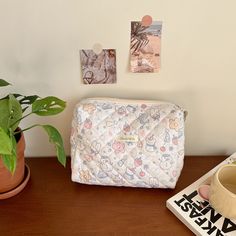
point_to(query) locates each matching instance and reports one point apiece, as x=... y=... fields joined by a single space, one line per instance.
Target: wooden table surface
x=51 y=204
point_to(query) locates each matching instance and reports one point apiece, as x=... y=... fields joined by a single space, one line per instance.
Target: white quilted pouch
x=133 y=143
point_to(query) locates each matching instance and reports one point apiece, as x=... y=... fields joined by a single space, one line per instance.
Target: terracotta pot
x=9 y=181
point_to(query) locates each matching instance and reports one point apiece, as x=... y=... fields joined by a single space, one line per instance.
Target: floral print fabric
x=127 y=143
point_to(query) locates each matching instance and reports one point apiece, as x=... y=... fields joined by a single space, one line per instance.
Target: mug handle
x=204 y=189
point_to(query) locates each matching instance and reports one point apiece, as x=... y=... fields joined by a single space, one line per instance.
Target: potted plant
x=13 y=109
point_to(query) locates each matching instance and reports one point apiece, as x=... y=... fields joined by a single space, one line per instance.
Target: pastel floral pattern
x=127 y=143
x=89 y=107
x=118 y=147
x=87 y=124
x=174 y=124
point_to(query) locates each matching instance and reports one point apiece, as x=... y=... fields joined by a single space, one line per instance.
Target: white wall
x=39 y=53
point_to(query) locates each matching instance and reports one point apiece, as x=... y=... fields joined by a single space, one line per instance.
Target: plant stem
x=17 y=132
x=21 y=118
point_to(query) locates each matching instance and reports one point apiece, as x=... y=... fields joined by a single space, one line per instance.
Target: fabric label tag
x=128 y=138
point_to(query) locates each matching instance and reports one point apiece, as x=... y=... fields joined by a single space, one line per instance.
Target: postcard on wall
x=98 y=68
x=145 y=47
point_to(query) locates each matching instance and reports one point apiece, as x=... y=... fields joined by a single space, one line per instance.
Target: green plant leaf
x=28 y=99
x=15 y=95
x=11 y=159
x=4 y=114
x=5 y=143
x=56 y=139
x=48 y=106
x=24 y=109
x=11 y=113
x=8 y=161
x=24 y=99
x=15 y=112
x=4 y=83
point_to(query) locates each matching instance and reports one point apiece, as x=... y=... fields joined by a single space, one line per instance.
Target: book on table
x=196 y=213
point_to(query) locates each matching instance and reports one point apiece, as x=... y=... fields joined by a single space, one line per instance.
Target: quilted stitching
x=100 y=156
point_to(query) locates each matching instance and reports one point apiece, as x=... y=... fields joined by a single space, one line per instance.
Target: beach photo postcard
x=98 y=68
x=145 y=47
